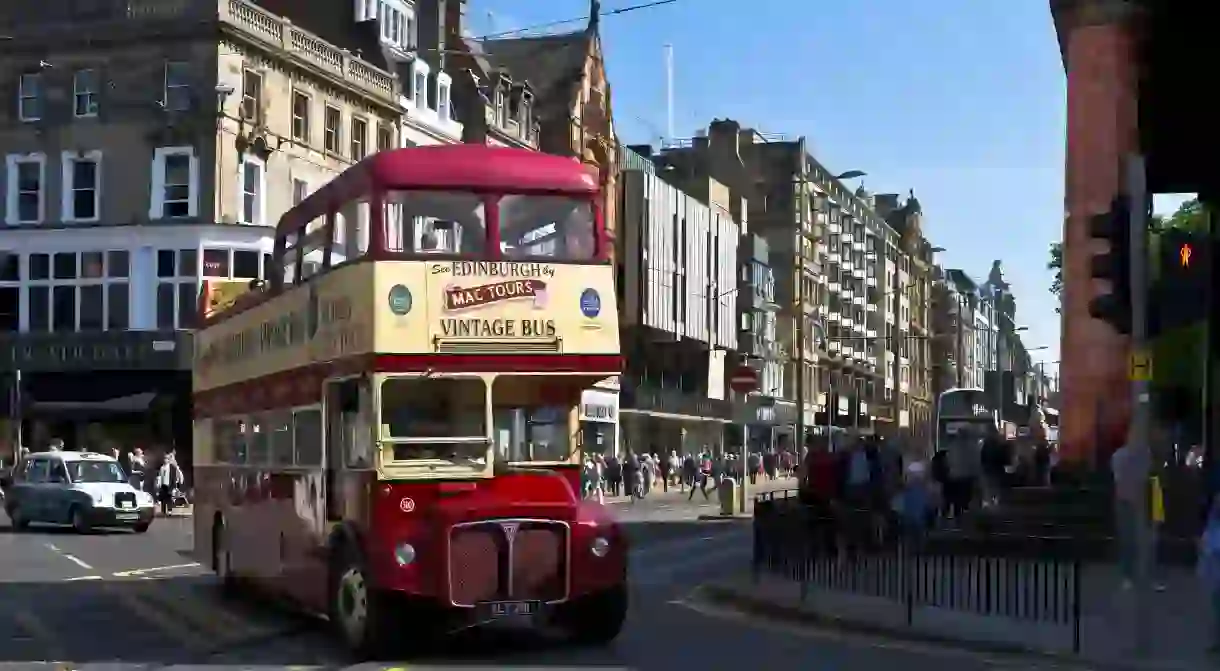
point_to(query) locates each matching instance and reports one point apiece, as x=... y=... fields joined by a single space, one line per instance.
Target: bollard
x=728 y=495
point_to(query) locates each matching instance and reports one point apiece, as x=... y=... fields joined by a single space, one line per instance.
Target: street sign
x=1141 y=367
x=744 y=380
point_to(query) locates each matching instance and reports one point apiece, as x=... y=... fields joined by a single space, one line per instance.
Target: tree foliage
x=1189 y=216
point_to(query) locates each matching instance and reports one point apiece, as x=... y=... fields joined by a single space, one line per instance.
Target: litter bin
x=728 y=495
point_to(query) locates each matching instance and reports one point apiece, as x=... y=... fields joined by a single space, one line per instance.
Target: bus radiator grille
x=481 y=567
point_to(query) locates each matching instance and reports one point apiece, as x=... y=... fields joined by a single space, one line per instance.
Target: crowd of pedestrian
x=638 y=474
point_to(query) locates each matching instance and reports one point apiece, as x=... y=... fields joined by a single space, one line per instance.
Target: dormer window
x=443 y=86
x=395 y=22
x=420 y=70
x=503 y=101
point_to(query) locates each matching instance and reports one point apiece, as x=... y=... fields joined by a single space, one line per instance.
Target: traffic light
x=1113 y=265
x=1180 y=290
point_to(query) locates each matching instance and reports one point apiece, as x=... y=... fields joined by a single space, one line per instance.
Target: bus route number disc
x=407 y=504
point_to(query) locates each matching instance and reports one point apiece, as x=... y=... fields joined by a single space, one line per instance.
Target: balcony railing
x=279 y=33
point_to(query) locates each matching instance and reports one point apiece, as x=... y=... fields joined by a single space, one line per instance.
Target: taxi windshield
x=95 y=471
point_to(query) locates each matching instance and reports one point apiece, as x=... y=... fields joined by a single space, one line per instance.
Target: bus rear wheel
x=595 y=619
x=359 y=614
x=222 y=560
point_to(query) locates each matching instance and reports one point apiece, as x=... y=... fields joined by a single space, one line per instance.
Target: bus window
x=547 y=227
x=435 y=418
x=433 y=222
x=258 y=441
x=307 y=437
x=532 y=417
x=226 y=434
x=279 y=428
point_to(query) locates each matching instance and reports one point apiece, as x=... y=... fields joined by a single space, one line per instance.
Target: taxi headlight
x=600 y=547
x=404 y=554
x=144 y=499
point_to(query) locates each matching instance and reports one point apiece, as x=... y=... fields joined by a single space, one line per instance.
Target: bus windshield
x=435 y=419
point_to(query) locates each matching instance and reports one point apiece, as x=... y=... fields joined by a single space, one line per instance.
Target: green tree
x=1189 y=216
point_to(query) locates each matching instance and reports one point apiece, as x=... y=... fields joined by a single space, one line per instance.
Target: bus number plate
x=499 y=609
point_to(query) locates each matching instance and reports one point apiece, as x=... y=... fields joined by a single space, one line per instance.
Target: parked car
x=82 y=489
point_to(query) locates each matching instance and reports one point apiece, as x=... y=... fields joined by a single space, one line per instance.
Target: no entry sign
x=744 y=379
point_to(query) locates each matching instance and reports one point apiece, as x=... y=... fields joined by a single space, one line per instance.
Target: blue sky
x=961 y=100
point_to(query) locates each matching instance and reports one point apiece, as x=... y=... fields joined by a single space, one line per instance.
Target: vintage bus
x=386 y=429
x=962 y=410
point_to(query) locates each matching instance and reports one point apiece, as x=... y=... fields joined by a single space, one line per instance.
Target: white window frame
x=337 y=131
x=89 y=96
x=260 y=198
x=12 y=214
x=362 y=137
x=420 y=69
x=68 y=187
x=105 y=281
x=23 y=95
x=306 y=119
x=444 y=86
x=157 y=200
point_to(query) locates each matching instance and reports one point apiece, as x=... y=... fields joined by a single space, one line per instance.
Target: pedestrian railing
x=864 y=553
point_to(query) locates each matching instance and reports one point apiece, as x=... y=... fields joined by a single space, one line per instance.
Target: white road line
x=83 y=577
x=70 y=557
x=153 y=569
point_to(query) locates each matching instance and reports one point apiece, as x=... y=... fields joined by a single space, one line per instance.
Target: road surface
x=127 y=602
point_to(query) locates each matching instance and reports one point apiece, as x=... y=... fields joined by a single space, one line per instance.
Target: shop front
x=663 y=420
x=97 y=391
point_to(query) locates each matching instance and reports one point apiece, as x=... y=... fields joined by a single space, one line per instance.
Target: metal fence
x=862 y=553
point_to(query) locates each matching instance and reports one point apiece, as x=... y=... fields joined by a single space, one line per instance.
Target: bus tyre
x=359 y=614
x=222 y=559
x=595 y=619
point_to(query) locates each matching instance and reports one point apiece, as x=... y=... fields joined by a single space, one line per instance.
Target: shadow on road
x=185 y=619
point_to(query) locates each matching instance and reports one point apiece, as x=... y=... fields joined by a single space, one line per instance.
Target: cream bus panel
x=329 y=318
x=500 y=307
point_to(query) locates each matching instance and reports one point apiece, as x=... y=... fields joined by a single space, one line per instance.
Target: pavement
x=123 y=601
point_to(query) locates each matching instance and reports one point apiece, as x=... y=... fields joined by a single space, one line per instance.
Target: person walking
x=169 y=478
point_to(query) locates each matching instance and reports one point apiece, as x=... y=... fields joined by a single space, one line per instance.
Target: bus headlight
x=404 y=554
x=600 y=547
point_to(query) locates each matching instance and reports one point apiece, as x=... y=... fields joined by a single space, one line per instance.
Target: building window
x=253 y=193
x=421 y=88
x=330 y=129
x=29 y=97
x=177 y=86
x=79 y=291
x=84 y=93
x=359 y=138
x=252 y=96
x=82 y=190
x=442 y=97
x=175 y=183
x=300 y=117
x=10 y=292
x=300 y=189
x=385 y=138
x=26 y=195
x=177 y=288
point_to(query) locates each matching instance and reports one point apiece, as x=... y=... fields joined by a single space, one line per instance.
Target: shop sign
x=669 y=401
x=120 y=350
x=598 y=412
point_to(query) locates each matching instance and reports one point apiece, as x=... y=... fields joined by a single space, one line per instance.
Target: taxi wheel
x=79 y=522
x=359 y=615
x=17 y=519
x=141 y=528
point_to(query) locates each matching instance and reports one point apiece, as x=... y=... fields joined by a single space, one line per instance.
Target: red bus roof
x=459 y=167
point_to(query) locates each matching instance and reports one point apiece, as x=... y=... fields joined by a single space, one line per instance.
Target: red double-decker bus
x=387 y=431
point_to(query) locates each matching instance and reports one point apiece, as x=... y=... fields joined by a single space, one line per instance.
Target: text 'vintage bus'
x=386 y=431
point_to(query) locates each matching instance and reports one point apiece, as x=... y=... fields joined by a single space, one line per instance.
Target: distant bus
x=962 y=409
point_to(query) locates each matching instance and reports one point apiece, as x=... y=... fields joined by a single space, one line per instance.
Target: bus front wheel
x=359 y=614
x=595 y=619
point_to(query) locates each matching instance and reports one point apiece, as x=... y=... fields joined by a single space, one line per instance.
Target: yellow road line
x=166 y=622
x=210 y=615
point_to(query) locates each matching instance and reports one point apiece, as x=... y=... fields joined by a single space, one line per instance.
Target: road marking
x=153 y=569
x=83 y=577
x=207 y=616
x=164 y=621
x=70 y=557
x=38 y=630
